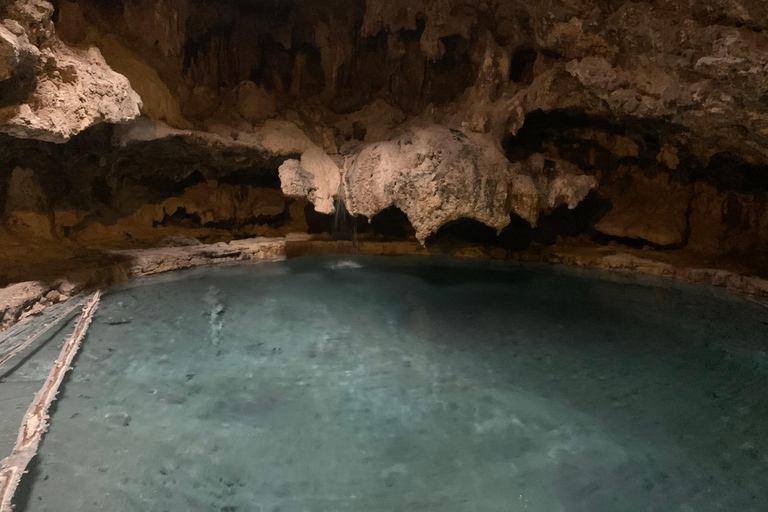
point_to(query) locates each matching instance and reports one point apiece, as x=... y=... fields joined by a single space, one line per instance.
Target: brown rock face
x=253 y=102
x=729 y=224
x=640 y=123
x=652 y=209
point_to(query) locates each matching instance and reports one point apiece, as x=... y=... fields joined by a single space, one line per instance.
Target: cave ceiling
x=454 y=109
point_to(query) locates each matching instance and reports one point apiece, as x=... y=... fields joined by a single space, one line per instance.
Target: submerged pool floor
x=372 y=384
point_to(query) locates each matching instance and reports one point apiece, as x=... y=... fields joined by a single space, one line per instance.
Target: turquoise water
x=374 y=384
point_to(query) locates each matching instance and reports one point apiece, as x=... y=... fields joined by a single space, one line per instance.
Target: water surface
x=411 y=384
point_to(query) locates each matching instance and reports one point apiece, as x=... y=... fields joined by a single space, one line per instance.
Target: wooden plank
x=35 y=422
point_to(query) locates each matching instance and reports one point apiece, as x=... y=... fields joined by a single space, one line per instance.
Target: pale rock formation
x=316 y=176
x=436 y=175
x=556 y=183
x=156 y=99
x=675 y=88
x=72 y=89
x=80 y=91
x=707 y=79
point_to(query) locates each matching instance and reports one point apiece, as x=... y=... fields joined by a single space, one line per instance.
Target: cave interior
x=141 y=136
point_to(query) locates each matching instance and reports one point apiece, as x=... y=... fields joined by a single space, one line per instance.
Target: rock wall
x=642 y=123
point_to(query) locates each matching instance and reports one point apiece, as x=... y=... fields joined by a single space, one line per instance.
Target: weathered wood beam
x=35 y=422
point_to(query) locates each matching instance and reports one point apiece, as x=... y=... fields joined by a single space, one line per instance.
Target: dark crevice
x=564 y=222
x=521 y=65
x=275 y=68
x=15 y=89
x=317 y=222
x=168 y=187
x=464 y=230
x=391 y=222
x=727 y=174
x=540 y=127
x=519 y=234
x=262 y=178
x=101 y=191
x=202 y=44
x=543 y=131
x=633 y=243
x=413 y=36
x=179 y=218
x=452 y=74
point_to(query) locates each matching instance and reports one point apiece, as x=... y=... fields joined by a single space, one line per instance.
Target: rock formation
x=51 y=91
x=632 y=122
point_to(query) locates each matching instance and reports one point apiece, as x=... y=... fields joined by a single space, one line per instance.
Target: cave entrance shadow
x=437 y=270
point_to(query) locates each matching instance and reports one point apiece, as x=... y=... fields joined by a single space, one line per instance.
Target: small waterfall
x=344 y=224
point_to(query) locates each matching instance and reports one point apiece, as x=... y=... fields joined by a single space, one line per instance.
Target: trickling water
x=411 y=385
x=344 y=224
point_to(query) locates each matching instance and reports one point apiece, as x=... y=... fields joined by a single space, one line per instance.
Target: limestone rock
x=33 y=15
x=25 y=192
x=77 y=91
x=201 y=102
x=17 y=55
x=434 y=175
x=72 y=89
x=375 y=122
x=729 y=223
x=651 y=209
x=26 y=205
x=156 y=99
x=254 y=103
x=213 y=202
x=556 y=182
x=316 y=176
